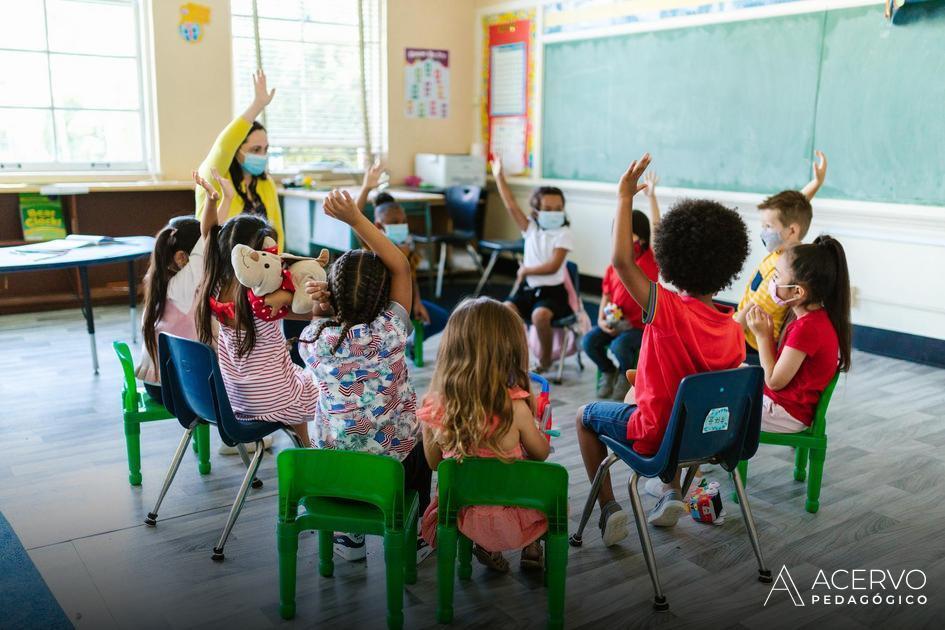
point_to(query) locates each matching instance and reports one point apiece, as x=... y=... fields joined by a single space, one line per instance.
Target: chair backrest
x=818 y=427
x=716 y=416
x=467 y=214
x=488 y=481
x=374 y=479
x=129 y=394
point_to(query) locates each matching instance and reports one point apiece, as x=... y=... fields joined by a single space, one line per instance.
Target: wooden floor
x=63 y=487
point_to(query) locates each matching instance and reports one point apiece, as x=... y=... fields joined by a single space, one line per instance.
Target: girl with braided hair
x=365 y=399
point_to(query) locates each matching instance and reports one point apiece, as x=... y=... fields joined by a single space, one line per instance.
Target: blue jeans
x=625 y=346
x=608 y=418
x=438 y=319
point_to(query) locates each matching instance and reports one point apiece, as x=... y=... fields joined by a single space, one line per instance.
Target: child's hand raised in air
x=497 y=167
x=372 y=176
x=759 y=322
x=339 y=205
x=820 y=167
x=225 y=185
x=212 y=195
x=651 y=179
x=629 y=182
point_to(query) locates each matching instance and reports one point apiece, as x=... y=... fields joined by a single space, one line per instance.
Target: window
x=310 y=52
x=71 y=89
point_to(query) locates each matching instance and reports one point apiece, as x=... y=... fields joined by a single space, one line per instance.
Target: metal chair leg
x=241 y=449
x=577 y=343
x=240 y=498
x=659 y=600
x=568 y=333
x=764 y=574
x=576 y=539
x=292 y=436
x=475 y=257
x=151 y=520
x=486 y=273
x=440 y=270
x=688 y=479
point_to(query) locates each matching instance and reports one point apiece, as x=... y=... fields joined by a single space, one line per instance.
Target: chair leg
x=394 y=561
x=241 y=449
x=659 y=600
x=240 y=498
x=445 y=561
x=800 y=463
x=133 y=448
x=296 y=442
x=577 y=342
x=465 y=557
x=326 y=550
x=476 y=258
x=410 y=552
x=202 y=442
x=556 y=563
x=817 y=458
x=743 y=471
x=764 y=575
x=567 y=342
x=440 y=270
x=688 y=479
x=486 y=273
x=288 y=541
x=576 y=538
x=151 y=520
x=418 y=344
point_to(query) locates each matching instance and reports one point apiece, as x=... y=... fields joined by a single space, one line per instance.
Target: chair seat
x=347 y=515
x=503 y=245
x=802 y=438
x=646 y=466
x=148 y=409
x=250 y=432
x=459 y=237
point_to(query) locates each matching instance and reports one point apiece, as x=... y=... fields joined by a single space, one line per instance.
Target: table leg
x=87 y=311
x=133 y=300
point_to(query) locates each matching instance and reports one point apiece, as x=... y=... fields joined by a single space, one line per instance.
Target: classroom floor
x=63 y=487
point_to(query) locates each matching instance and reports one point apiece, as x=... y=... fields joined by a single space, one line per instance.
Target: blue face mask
x=550 y=219
x=397 y=232
x=771 y=239
x=255 y=164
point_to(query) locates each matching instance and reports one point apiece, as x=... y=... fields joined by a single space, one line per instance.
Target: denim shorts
x=608 y=418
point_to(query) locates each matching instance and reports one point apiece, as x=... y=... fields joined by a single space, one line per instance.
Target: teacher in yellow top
x=241 y=152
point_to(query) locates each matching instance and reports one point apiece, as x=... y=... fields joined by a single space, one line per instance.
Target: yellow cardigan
x=220 y=157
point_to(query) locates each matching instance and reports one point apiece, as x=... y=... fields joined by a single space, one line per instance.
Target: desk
x=126 y=249
x=308 y=228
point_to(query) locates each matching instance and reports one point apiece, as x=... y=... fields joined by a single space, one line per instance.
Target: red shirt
x=682 y=336
x=813 y=335
x=613 y=288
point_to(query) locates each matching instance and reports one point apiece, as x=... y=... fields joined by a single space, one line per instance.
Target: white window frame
x=143 y=51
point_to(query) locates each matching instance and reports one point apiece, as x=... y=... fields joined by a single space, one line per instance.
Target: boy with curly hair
x=700 y=247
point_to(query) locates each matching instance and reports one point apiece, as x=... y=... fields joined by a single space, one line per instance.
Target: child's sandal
x=532 y=558
x=494 y=561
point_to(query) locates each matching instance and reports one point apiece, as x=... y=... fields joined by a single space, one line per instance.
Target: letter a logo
x=784 y=582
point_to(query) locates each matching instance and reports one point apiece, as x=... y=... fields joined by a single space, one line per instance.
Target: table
x=124 y=249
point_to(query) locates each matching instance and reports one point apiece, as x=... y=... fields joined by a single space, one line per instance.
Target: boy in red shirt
x=700 y=248
x=623 y=335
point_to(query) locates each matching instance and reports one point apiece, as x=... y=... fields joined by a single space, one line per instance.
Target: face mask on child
x=771 y=239
x=550 y=219
x=397 y=232
x=255 y=164
x=773 y=292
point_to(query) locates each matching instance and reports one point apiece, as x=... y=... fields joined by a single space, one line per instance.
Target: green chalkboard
x=741 y=105
x=881 y=111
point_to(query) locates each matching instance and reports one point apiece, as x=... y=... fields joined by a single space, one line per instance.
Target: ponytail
x=180 y=234
x=821 y=268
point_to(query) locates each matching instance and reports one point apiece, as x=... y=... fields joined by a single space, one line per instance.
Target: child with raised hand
x=785 y=219
x=813 y=282
x=541 y=296
x=623 y=335
x=365 y=401
x=700 y=247
x=174 y=277
x=480 y=405
x=261 y=381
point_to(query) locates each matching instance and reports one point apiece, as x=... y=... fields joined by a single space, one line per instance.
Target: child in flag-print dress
x=357 y=358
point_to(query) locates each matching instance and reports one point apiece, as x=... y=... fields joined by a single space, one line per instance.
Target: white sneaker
x=654 y=487
x=351 y=547
x=613 y=524
x=250 y=448
x=423 y=550
x=669 y=509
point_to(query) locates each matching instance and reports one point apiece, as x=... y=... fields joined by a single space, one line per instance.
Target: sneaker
x=613 y=524
x=351 y=547
x=250 y=447
x=621 y=388
x=667 y=511
x=605 y=388
x=423 y=550
x=494 y=560
x=656 y=488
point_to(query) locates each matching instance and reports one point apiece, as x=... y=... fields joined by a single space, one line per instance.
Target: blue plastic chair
x=716 y=418
x=194 y=392
x=466 y=209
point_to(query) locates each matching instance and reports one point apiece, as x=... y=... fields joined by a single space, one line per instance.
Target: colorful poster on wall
x=427 y=83
x=41 y=217
x=193 y=21
x=508 y=89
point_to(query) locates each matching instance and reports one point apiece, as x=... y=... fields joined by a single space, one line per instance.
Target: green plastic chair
x=810 y=449
x=417 y=342
x=350 y=492
x=488 y=481
x=137 y=407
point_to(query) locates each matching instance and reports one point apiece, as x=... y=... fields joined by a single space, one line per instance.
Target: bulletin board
x=508 y=89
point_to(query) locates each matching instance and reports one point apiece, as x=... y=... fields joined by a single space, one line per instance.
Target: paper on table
x=507 y=137
x=62 y=245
